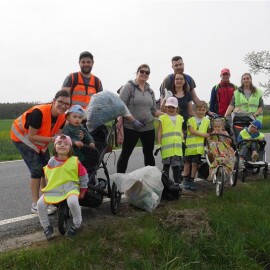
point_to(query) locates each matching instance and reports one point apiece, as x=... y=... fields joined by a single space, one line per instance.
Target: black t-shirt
x=34 y=119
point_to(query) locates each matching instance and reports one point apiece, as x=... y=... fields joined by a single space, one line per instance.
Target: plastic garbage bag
x=104 y=107
x=143 y=187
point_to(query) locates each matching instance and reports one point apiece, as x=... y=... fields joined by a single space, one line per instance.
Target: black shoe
x=49 y=232
x=72 y=230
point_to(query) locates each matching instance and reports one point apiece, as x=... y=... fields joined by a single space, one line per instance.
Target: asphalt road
x=15 y=200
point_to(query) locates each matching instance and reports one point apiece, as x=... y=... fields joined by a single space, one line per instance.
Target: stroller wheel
x=64 y=217
x=243 y=175
x=256 y=170
x=220 y=177
x=115 y=199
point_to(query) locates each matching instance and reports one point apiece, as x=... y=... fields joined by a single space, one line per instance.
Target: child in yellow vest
x=169 y=138
x=197 y=132
x=66 y=180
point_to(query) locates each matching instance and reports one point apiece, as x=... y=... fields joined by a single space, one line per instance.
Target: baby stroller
x=97 y=187
x=239 y=122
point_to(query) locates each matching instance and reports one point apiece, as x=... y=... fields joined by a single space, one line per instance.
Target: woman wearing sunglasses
x=140 y=100
x=33 y=131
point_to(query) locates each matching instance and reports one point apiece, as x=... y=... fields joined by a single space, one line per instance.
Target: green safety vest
x=194 y=143
x=171 y=139
x=251 y=105
x=246 y=136
x=63 y=181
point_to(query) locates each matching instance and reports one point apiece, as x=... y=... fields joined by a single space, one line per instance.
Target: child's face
x=201 y=111
x=75 y=119
x=170 y=110
x=62 y=147
x=218 y=127
x=252 y=129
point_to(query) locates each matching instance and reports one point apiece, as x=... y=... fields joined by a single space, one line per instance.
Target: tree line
x=13 y=110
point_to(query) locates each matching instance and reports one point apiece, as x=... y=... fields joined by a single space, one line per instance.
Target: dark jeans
x=176 y=172
x=246 y=147
x=131 y=138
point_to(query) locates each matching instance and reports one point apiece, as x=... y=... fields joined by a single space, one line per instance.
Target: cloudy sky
x=41 y=41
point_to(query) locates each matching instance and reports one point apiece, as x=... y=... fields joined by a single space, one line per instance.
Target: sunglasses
x=144 y=71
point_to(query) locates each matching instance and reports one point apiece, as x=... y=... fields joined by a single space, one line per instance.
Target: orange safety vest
x=81 y=93
x=20 y=134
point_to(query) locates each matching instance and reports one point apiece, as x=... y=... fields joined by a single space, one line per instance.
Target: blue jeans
x=34 y=161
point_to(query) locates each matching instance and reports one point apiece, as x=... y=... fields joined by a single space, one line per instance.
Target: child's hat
x=172 y=101
x=76 y=109
x=63 y=137
x=257 y=124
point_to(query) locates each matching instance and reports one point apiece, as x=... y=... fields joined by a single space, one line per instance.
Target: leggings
x=176 y=172
x=73 y=204
x=131 y=138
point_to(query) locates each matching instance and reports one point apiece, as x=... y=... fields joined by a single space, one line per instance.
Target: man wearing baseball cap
x=222 y=93
x=82 y=85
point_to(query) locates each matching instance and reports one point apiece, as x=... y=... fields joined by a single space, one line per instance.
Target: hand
x=81 y=135
x=78 y=144
x=137 y=124
x=167 y=94
x=92 y=145
x=82 y=193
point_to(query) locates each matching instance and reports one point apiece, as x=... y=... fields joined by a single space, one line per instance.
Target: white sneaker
x=51 y=209
x=34 y=209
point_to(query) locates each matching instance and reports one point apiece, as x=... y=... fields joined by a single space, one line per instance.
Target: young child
x=220 y=151
x=66 y=180
x=197 y=132
x=75 y=129
x=169 y=137
x=250 y=133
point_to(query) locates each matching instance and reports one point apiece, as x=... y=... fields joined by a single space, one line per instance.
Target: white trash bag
x=143 y=187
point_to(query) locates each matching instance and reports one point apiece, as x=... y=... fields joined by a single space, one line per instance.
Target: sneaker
x=51 y=209
x=34 y=209
x=241 y=164
x=186 y=184
x=255 y=157
x=193 y=186
x=72 y=230
x=49 y=232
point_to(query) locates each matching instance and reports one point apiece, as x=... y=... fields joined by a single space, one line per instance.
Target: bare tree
x=259 y=62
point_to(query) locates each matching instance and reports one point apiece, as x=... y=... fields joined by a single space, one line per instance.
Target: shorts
x=173 y=161
x=34 y=161
x=193 y=159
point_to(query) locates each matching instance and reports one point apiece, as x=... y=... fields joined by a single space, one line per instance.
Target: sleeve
x=192 y=84
x=68 y=81
x=189 y=98
x=125 y=93
x=87 y=136
x=239 y=138
x=232 y=103
x=34 y=119
x=261 y=103
x=213 y=100
x=83 y=176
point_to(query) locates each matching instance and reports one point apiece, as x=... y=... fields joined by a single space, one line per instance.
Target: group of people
x=60 y=123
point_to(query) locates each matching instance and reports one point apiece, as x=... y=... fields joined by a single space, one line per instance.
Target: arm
x=34 y=137
x=159 y=132
x=194 y=97
x=197 y=133
x=190 y=110
x=67 y=83
x=213 y=100
x=229 y=110
x=260 y=108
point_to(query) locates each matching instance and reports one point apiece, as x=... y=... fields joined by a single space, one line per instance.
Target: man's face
x=86 y=64
x=225 y=77
x=178 y=66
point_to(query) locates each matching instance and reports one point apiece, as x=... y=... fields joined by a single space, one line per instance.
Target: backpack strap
x=74 y=81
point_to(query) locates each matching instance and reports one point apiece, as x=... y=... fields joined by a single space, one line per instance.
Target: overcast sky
x=41 y=41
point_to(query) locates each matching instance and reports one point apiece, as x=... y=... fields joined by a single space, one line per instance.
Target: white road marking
x=17 y=219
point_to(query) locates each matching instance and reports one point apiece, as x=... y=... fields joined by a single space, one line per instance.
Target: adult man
x=82 y=85
x=178 y=67
x=222 y=93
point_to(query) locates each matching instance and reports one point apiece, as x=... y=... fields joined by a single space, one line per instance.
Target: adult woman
x=140 y=100
x=247 y=99
x=179 y=90
x=33 y=131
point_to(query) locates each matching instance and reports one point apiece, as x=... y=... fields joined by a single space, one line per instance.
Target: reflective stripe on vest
x=171 y=140
x=63 y=181
x=82 y=93
x=251 y=105
x=195 y=144
x=20 y=134
x=246 y=136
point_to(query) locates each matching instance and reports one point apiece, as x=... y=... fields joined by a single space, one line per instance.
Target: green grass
x=220 y=233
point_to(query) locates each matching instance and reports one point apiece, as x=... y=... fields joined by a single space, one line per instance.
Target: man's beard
x=86 y=70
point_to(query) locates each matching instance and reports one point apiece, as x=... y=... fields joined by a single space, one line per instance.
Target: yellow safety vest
x=63 y=181
x=171 y=140
x=246 y=136
x=195 y=144
x=250 y=105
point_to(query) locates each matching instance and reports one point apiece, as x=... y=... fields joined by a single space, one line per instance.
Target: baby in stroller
x=219 y=150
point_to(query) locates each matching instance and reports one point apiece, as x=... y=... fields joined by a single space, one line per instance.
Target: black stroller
x=97 y=187
x=239 y=122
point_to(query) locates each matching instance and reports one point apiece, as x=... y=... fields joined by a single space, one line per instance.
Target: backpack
x=171 y=192
x=75 y=79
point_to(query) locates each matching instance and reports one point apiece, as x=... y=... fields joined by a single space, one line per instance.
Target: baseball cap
x=225 y=70
x=86 y=54
x=63 y=137
x=257 y=124
x=76 y=109
x=172 y=101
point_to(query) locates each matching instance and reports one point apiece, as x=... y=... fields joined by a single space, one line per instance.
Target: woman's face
x=179 y=80
x=246 y=80
x=61 y=105
x=143 y=74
